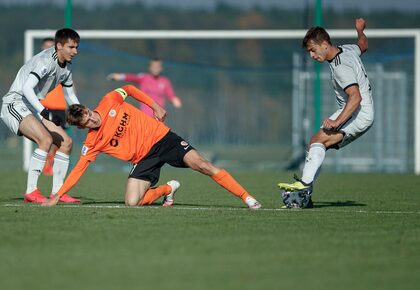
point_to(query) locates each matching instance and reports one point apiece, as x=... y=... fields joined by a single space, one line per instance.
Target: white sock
x=313 y=162
x=60 y=167
x=36 y=165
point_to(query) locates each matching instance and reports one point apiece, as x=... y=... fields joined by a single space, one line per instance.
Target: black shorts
x=170 y=149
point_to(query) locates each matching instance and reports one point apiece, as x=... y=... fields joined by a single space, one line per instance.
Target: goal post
x=31 y=35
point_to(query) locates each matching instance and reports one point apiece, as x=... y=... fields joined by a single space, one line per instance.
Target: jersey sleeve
x=29 y=93
x=41 y=69
x=119 y=95
x=68 y=81
x=70 y=96
x=89 y=151
x=135 y=78
x=345 y=76
x=74 y=176
x=170 y=94
x=130 y=90
x=353 y=48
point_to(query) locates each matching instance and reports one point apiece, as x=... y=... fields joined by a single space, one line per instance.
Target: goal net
x=248 y=95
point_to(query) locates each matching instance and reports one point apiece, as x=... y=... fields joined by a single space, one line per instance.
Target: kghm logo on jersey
x=112 y=113
x=121 y=129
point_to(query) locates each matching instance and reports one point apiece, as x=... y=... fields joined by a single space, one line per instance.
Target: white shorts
x=358 y=124
x=14 y=110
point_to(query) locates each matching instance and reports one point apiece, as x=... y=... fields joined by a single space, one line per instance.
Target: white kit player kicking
x=24 y=115
x=355 y=107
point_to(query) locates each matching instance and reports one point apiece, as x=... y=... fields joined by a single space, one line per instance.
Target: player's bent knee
x=66 y=145
x=313 y=140
x=317 y=139
x=45 y=142
x=132 y=201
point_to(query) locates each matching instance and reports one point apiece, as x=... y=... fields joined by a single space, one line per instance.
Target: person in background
x=158 y=87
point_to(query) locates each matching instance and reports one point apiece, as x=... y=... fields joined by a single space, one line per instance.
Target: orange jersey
x=125 y=132
x=55 y=99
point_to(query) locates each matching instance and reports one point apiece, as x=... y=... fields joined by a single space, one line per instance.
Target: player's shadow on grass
x=93 y=202
x=349 y=203
x=207 y=205
x=14 y=199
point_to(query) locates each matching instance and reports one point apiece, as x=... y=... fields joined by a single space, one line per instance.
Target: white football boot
x=168 y=200
x=252 y=203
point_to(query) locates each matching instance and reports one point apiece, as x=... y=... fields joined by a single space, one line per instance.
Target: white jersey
x=46 y=68
x=347 y=70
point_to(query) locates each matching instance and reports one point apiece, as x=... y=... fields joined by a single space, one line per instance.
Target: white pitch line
x=116 y=206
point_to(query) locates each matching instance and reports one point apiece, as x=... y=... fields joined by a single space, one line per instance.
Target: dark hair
x=47 y=39
x=75 y=114
x=62 y=35
x=155 y=59
x=316 y=34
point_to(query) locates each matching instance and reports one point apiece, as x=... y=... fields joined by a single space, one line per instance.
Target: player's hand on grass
x=159 y=112
x=52 y=201
x=360 y=24
x=50 y=116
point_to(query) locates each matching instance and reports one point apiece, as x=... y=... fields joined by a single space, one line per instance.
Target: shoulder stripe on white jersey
x=337 y=60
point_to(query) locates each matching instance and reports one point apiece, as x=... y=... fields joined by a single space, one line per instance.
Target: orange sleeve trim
x=138 y=95
x=74 y=176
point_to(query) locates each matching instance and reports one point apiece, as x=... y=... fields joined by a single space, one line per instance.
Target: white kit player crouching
x=23 y=113
x=355 y=107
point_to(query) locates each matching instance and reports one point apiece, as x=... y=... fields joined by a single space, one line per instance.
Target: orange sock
x=154 y=193
x=48 y=167
x=228 y=182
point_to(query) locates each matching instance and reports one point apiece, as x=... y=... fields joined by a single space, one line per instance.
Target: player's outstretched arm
x=362 y=40
x=115 y=77
x=159 y=112
x=71 y=181
x=140 y=96
x=170 y=94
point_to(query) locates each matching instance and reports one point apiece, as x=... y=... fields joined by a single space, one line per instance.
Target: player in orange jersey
x=123 y=131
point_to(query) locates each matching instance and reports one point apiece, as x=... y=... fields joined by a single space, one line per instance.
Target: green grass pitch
x=364 y=233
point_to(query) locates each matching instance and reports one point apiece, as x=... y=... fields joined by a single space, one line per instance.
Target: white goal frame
x=31 y=35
